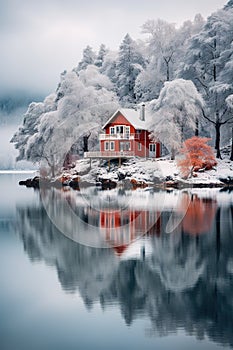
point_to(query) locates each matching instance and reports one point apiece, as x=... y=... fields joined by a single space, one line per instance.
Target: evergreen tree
x=101 y=55
x=109 y=65
x=88 y=58
x=229 y=4
x=129 y=64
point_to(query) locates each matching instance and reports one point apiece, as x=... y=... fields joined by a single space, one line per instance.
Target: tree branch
x=207 y=118
x=226 y=121
x=198 y=79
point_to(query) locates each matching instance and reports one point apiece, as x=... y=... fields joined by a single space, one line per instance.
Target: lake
x=115 y=269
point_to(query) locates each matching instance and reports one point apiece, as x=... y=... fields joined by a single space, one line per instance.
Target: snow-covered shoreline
x=156 y=173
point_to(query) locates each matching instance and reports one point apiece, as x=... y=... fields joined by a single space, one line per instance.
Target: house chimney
x=142 y=112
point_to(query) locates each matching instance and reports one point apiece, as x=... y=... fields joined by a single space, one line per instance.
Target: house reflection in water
x=121 y=227
x=121 y=221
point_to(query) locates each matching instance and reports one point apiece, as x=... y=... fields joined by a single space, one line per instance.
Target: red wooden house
x=126 y=135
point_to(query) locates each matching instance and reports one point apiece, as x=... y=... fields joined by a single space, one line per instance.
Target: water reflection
x=179 y=280
x=200 y=213
x=102 y=219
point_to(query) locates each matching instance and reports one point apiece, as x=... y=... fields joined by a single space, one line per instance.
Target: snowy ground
x=149 y=171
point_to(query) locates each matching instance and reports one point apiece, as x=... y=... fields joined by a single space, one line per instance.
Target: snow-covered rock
x=151 y=171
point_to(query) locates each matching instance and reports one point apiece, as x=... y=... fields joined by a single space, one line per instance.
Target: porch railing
x=109 y=154
x=119 y=137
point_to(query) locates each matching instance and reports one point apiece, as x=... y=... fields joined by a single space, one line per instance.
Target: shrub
x=197 y=155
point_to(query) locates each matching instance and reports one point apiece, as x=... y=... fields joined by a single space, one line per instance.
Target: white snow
x=151 y=171
x=132 y=115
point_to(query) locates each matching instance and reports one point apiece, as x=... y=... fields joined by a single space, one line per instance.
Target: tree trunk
x=168 y=73
x=197 y=128
x=231 y=144
x=217 y=140
x=172 y=154
x=85 y=142
x=182 y=132
x=52 y=168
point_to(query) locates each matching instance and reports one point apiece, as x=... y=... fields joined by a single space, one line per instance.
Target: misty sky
x=39 y=39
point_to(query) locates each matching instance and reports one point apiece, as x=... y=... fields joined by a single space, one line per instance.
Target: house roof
x=132 y=116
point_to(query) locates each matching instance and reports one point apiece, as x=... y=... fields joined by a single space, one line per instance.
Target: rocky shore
x=133 y=174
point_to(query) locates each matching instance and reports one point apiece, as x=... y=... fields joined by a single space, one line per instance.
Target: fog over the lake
x=9 y=122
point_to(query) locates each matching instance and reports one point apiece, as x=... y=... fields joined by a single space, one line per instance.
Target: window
x=112 y=130
x=139 y=146
x=112 y=146
x=106 y=144
x=125 y=220
x=138 y=134
x=125 y=146
x=119 y=129
x=127 y=131
x=152 y=147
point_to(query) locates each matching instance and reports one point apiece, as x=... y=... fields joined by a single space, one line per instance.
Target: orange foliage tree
x=196 y=155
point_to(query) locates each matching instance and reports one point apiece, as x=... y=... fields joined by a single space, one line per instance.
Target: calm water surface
x=115 y=269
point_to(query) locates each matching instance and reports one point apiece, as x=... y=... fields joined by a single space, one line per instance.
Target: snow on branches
x=82 y=103
x=175 y=111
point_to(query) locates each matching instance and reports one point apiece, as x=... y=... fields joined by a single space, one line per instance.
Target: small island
x=129 y=156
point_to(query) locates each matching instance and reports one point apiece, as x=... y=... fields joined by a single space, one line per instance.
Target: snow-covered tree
x=129 y=64
x=85 y=102
x=150 y=81
x=206 y=59
x=229 y=102
x=88 y=58
x=30 y=126
x=93 y=78
x=174 y=113
x=166 y=47
x=162 y=43
x=101 y=56
x=109 y=65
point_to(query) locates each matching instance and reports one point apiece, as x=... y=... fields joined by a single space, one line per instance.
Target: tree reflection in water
x=184 y=281
x=199 y=215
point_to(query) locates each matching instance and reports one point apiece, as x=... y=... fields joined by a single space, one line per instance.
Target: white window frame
x=127 y=130
x=139 y=146
x=119 y=126
x=112 y=128
x=123 y=143
x=154 y=147
x=112 y=143
x=106 y=145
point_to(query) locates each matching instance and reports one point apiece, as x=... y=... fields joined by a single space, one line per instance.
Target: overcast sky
x=39 y=39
